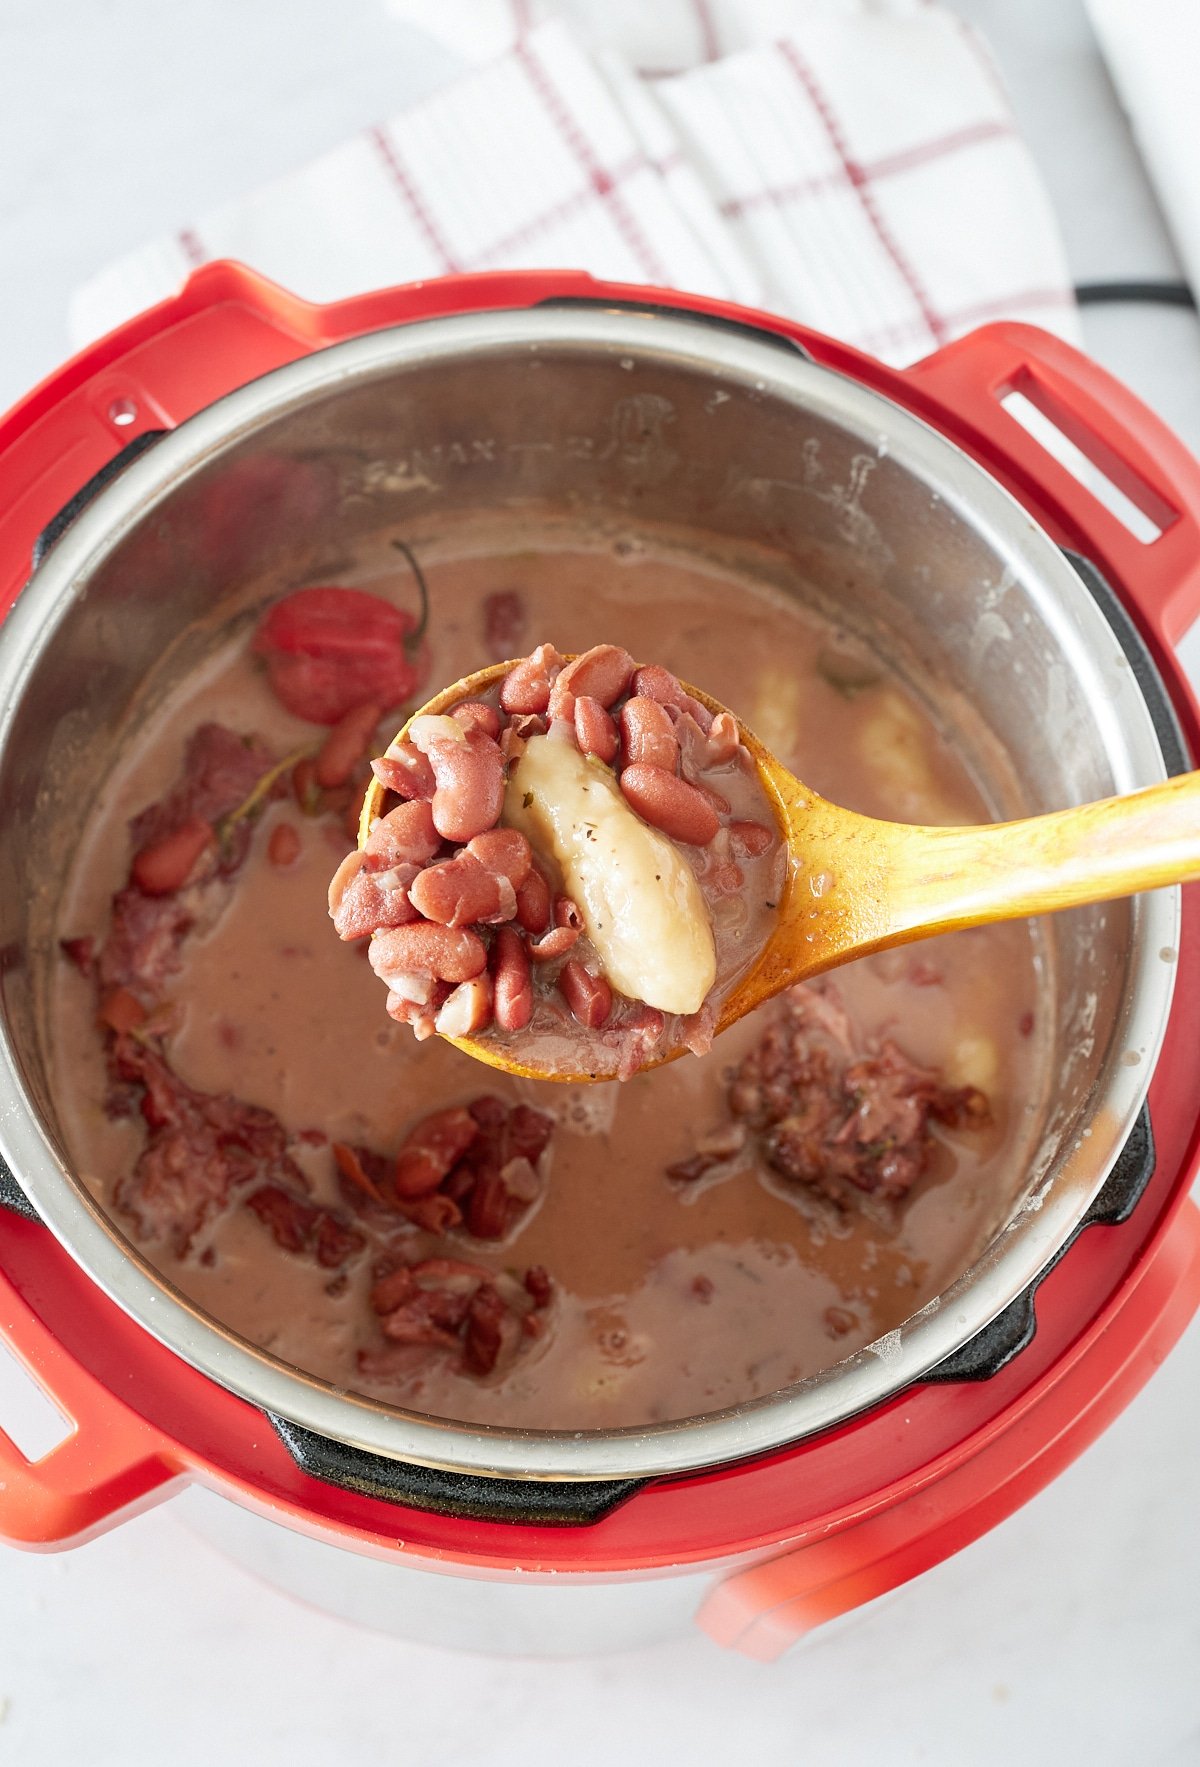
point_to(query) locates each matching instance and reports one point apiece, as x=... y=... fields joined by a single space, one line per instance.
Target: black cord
x=1104 y=294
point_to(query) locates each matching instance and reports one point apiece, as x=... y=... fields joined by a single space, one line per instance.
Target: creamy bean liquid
x=273 y=1008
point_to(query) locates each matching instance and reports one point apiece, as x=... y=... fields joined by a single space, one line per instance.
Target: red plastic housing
x=812 y=1530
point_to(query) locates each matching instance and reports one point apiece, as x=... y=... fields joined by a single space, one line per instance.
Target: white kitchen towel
x=853 y=164
x=1153 y=51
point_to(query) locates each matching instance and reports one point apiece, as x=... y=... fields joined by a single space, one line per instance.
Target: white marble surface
x=1072 y=1633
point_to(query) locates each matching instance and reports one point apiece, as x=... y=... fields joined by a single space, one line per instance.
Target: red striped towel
x=852 y=163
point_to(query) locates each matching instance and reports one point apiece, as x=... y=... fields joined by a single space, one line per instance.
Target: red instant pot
x=764 y=1549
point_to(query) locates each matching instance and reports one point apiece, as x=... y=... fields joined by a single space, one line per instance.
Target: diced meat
x=474 y=1166
x=302 y=1226
x=220 y=770
x=836 y=1118
x=201 y=1148
x=144 y=936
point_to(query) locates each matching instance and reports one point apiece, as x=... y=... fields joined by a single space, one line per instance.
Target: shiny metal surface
x=610 y=420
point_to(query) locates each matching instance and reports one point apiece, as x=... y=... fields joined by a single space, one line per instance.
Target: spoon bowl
x=858 y=884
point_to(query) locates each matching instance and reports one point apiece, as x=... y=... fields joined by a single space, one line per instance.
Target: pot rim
x=1019 y=1251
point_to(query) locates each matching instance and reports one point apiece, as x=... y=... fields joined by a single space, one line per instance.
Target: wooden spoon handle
x=937 y=879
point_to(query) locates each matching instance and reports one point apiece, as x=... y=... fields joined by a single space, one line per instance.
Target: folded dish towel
x=851 y=163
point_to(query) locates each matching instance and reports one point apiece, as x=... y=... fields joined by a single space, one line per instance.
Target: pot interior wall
x=589 y=440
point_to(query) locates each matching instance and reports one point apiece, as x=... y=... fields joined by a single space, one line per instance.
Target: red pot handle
x=961 y=389
x=111 y=1465
x=761 y=1611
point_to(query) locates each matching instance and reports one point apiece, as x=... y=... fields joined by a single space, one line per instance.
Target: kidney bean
x=726 y=879
x=121 y=1011
x=418 y=1016
x=529 y=1131
x=467 y=1010
x=283 y=848
x=460 y=892
x=649 y=735
x=538 y=1285
x=504 y=851
x=595 y=731
x=487 y=1211
x=556 y=943
x=566 y=914
x=750 y=839
x=533 y=903
x=430 y=1148
x=512 y=987
x=470 y=786
x=680 y=810
x=406 y=771
x=405 y=836
x=164 y=866
x=526 y=688
x=451 y=954
x=474 y=714
x=372 y=902
x=588 y=996
x=601 y=673
x=724 y=740
x=504 y=624
x=435 y=1214
x=655 y=682
x=346 y=744
x=388 y=1293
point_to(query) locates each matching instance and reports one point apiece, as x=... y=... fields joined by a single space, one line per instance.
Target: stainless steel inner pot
x=610 y=419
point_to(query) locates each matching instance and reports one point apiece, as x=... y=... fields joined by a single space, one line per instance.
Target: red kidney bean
x=724 y=740
x=470 y=785
x=504 y=851
x=504 y=624
x=430 y=1148
x=487 y=1210
x=346 y=744
x=750 y=839
x=406 y=771
x=283 y=848
x=474 y=714
x=452 y=954
x=405 y=836
x=526 y=688
x=601 y=673
x=719 y=804
x=418 y=1016
x=680 y=810
x=595 y=731
x=655 y=682
x=567 y=914
x=726 y=878
x=588 y=996
x=533 y=903
x=342 y=878
x=164 y=866
x=538 y=1285
x=461 y=892
x=649 y=735
x=467 y=1010
x=556 y=943
x=511 y=983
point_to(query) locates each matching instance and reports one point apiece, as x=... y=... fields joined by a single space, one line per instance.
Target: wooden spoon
x=856 y=884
